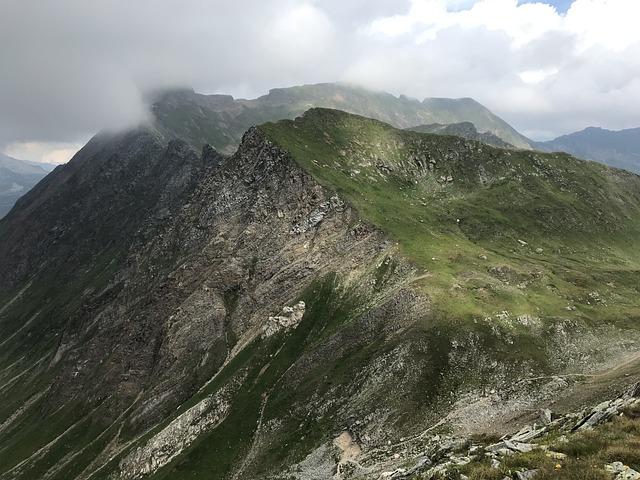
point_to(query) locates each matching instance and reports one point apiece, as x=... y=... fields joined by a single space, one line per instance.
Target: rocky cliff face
x=153 y=302
x=173 y=314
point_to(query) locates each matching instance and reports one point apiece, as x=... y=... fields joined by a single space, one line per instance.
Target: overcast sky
x=72 y=67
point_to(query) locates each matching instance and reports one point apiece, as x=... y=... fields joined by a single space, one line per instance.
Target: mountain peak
x=220 y=120
x=619 y=148
x=189 y=315
x=463 y=129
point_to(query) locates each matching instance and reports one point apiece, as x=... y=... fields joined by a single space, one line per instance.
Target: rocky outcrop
x=173 y=439
x=621 y=471
x=439 y=454
x=288 y=318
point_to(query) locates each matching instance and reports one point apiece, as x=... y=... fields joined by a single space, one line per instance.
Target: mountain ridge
x=463 y=129
x=618 y=148
x=220 y=120
x=134 y=318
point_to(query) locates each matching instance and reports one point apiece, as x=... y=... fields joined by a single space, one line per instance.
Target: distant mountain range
x=463 y=129
x=17 y=177
x=221 y=120
x=615 y=148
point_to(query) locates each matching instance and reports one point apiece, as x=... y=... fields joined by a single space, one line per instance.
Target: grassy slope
x=29 y=354
x=585 y=217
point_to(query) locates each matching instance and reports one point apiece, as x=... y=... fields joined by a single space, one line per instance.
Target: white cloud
x=426 y=18
x=546 y=72
x=612 y=24
x=72 y=67
x=46 y=152
x=536 y=76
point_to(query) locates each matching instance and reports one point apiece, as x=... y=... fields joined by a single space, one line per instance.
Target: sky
x=73 y=67
x=560 y=5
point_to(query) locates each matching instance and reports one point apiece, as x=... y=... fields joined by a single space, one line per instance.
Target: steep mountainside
x=465 y=130
x=309 y=306
x=17 y=177
x=616 y=148
x=220 y=120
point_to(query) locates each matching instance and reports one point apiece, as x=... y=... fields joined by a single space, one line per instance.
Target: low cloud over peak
x=72 y=67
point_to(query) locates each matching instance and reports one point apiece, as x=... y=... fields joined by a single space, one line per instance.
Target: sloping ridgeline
x=137 y=282
x=221 y=120
x=615 y=148
x=463 y=129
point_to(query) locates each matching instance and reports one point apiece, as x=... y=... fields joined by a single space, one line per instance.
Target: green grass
x=585 y=217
